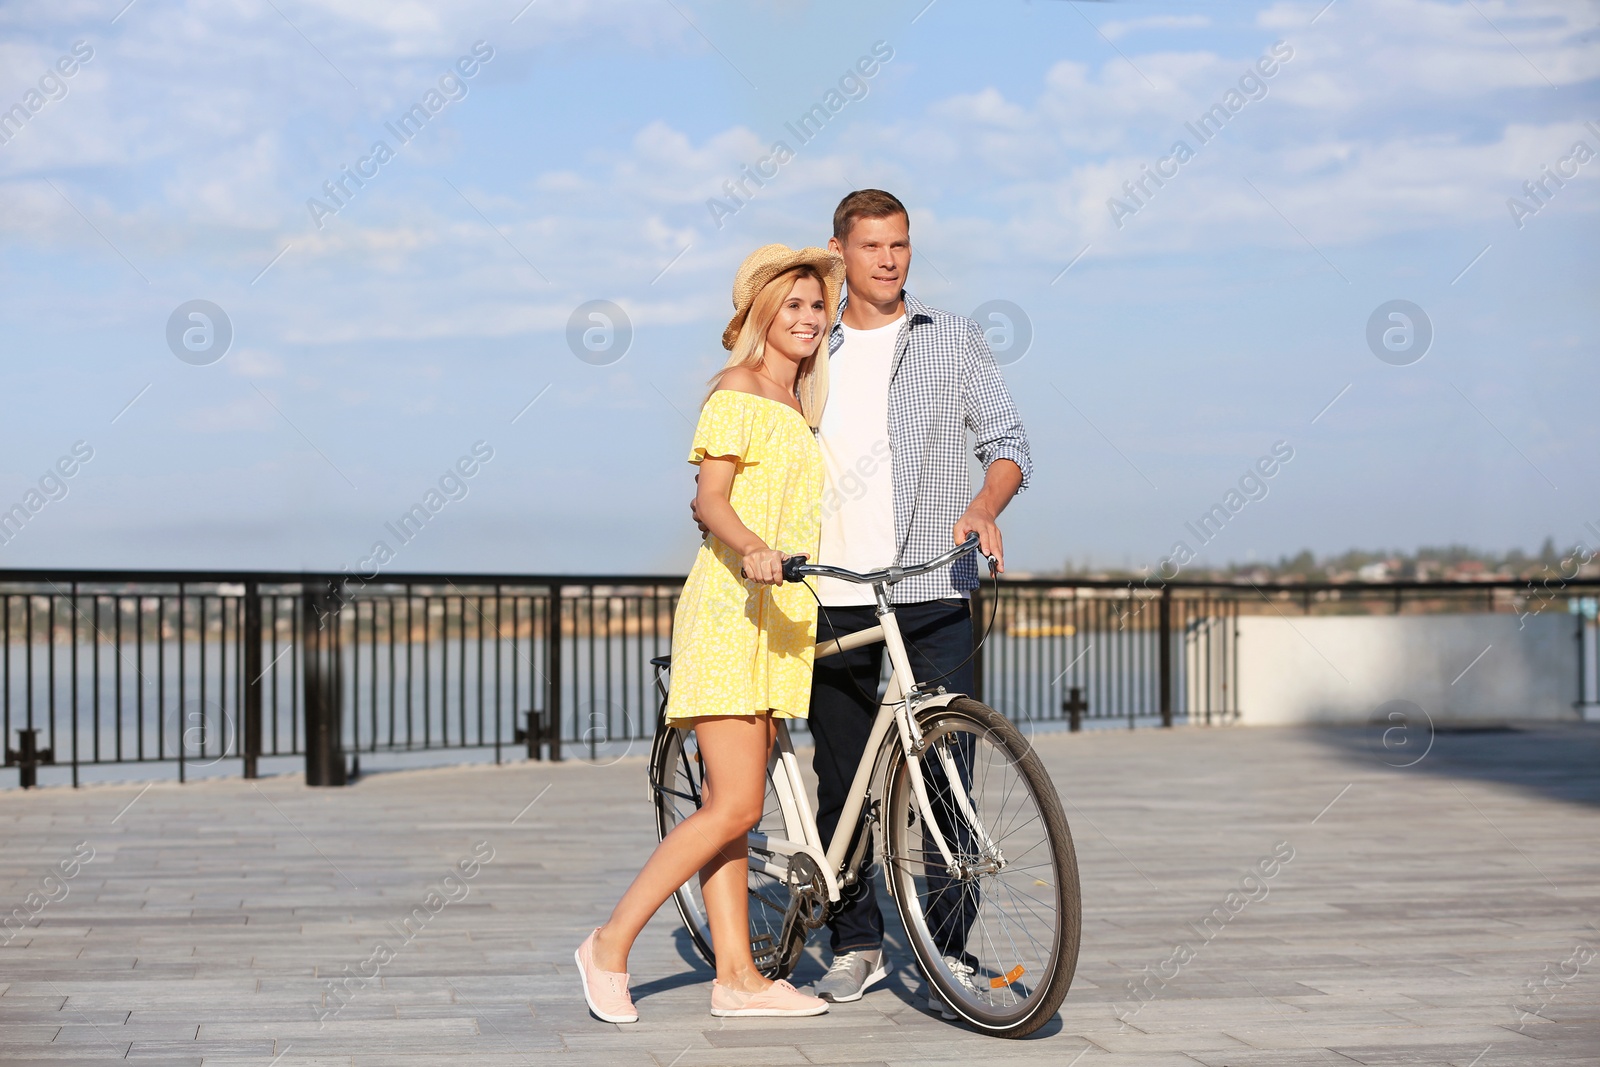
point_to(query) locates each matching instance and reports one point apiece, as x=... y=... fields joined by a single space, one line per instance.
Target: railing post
x=1165 y=655
x=1582 y=622
x=27 y=757
x=552 y=673
x=250 y=632
x=320 y=601
x=1075 y=706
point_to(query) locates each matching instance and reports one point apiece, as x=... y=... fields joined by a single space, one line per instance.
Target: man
x=906 y=382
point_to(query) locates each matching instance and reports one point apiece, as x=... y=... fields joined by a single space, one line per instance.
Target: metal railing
x=197 y=669
x=1076 y=652
x=1108 y=650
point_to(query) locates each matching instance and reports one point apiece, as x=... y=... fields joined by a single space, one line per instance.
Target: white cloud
x=1391 y=118
x=255 y=363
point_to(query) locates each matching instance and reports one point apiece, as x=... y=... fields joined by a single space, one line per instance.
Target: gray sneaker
x=963 y=976
x=851 y=975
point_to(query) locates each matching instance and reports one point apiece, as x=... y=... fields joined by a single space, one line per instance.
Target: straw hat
x=765 y=264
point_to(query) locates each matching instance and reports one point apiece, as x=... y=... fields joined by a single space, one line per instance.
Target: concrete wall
x=1340 y=669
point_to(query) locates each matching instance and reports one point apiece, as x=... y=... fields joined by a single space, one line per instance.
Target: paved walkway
x=1443 y=913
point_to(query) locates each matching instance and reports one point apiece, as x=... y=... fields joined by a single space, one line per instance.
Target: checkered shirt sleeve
x=944 y=384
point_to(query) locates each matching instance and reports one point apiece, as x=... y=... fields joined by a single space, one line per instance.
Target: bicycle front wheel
x=998 y=936
x=676 y=777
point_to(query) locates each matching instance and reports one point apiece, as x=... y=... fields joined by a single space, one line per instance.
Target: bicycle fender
x=938 y=700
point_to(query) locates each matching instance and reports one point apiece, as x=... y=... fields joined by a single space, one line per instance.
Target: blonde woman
x=742 y=641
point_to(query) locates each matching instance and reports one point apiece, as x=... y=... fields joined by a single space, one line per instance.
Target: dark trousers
x=938 y=636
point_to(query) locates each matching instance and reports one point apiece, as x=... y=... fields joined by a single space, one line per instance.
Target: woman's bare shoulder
x=740 y=380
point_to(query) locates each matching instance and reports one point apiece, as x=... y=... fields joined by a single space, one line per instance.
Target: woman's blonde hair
x=750 y=350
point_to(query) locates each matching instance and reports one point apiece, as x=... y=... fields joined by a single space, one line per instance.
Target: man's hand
x=1000 y=484
x=979 y=520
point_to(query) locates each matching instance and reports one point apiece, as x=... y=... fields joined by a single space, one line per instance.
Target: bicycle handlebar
x=795 y=567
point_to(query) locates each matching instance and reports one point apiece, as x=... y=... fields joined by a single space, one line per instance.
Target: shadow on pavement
x=1557 y=760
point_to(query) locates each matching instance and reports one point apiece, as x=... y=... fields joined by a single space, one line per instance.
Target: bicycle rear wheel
x=675 y=776
x=1012 y=912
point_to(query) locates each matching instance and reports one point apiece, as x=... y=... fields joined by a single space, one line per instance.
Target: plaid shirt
x=943 y=382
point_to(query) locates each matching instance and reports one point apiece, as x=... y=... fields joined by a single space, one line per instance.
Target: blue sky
x=1222 y=316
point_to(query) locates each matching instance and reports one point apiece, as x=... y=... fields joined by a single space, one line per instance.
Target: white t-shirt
x=858 y=484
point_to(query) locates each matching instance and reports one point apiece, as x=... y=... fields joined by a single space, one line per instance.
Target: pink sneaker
x=606 y=991
x=780 y=1000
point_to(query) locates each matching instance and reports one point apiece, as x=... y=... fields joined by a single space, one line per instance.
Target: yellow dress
x=739 y=648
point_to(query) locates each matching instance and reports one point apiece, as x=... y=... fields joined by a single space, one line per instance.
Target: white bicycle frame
x=897 y=711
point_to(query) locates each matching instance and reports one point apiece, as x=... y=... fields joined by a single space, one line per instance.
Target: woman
x=742 y=641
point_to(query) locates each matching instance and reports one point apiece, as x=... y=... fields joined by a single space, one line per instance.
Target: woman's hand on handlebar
x=764 y=566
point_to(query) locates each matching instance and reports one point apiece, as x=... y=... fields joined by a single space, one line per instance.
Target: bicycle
x=976 y=850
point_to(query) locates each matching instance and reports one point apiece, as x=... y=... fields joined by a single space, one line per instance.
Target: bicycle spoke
x=1015 y=895
x=1031 y=847
x=1016 y=923
x=1044 y=910
x=1012 y=887
x=984 y=927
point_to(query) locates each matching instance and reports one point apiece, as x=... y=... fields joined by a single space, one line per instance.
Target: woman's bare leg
x=725 y=887
x=733 y=751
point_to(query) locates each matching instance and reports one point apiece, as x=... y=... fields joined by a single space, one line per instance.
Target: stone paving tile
x=173 y=1051
x=1047 y=1057
x=29 y=1033
x=76 y=1029
x=1185 y=1041
x=1274 y=1058
x=46 y=1057
x=215 y=915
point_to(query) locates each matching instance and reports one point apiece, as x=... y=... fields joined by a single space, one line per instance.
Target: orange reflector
x=1006 y=979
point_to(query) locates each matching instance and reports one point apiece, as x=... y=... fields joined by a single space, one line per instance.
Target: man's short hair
x=866 y=204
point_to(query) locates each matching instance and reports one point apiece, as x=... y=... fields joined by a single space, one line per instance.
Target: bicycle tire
x=675 y=793
x=1052 y=958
